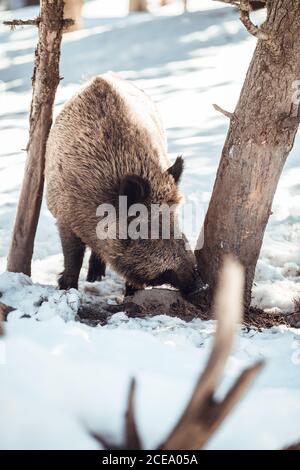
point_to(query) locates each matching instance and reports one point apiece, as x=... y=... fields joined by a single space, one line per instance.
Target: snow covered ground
x=58 y=377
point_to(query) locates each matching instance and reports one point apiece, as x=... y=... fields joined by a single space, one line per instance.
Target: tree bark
x=261 y=135
x=45 y=81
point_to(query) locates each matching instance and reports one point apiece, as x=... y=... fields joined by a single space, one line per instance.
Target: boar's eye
x=176 y=169
x=136 y=188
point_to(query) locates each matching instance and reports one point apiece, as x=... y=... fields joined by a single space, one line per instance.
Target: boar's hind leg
x=96 y=268
x=73 y=249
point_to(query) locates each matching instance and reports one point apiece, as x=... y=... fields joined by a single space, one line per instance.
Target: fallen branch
x=203 y=414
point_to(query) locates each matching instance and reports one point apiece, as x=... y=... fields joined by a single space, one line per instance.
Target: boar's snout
x=192 y=286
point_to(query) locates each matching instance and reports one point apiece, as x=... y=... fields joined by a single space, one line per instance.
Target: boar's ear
x=136 y=188
x=176 y=169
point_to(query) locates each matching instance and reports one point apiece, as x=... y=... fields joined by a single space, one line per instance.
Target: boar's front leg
x=73 y=250
x=129 y=290
x=96 y=268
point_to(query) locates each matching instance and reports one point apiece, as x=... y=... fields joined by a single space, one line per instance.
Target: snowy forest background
x=71 y=377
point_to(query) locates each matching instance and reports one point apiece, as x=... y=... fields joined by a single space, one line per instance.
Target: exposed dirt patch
x=150 y=302
x=256 y=318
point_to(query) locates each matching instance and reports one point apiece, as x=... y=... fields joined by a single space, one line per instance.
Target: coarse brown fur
x=106 y=133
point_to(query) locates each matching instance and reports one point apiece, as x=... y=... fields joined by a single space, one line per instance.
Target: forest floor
x=72 y=377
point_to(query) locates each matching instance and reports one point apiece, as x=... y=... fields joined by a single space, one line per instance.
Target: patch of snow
x=41 y=302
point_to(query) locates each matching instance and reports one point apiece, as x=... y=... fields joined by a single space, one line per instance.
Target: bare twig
x=223 y=111
x=4 y=311
x=293 y=446
x=67 y=22
x=131 y=434
x=14 y=23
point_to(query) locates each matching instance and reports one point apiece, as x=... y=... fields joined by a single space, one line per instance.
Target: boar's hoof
x=66 y=282
x=94 y=277
x=130 y=290
x=198 y=295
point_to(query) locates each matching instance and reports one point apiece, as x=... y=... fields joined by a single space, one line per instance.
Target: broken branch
x=223 y=111
x=245 y=9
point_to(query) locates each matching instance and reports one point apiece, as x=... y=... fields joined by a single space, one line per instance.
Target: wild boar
x=109 y=141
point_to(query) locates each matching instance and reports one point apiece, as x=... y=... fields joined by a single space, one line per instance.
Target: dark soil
x=147 y=303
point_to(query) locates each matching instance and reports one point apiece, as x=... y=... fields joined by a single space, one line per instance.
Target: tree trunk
x=45 y=81
x=261 y=135
x=137 y=5
x=73 y=10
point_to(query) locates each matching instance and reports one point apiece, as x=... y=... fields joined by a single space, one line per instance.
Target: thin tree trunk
x=45 y=81
x=261 y=135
